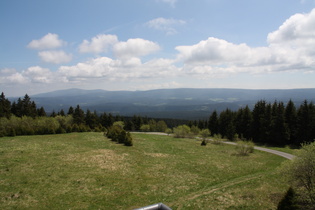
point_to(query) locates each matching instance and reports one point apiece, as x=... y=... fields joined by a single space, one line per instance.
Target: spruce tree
x=243 y=122
x=304 y=123
x=91 y=119
x=213 y=124
x=41 y=112
x=78 y=116
x=5 y=106
x=291 y=121
x=226 y=124
x=279 y=131
x=70 y=111
x=61 y=113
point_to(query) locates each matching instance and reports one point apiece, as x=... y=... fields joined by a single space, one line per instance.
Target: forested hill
x=183 y=103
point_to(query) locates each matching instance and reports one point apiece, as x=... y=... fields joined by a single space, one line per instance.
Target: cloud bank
x=290 y=48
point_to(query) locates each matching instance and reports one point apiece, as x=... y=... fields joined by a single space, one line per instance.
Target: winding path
x=275 y=152
x=179 y=203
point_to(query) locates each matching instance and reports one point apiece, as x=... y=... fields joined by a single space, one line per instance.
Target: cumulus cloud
x=109 y=69
x=299 y=29
x=166 y=25
x=16 y=78
x=98 y=44
x=56 y=57
x=213 y=51
x=9 y=76
x=38 y=74
x=135 y=48
x=49 y=41
x=295 y=39
x=290 y=48
x=31 y=75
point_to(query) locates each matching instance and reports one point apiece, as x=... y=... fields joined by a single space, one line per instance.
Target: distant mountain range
x=185 y=103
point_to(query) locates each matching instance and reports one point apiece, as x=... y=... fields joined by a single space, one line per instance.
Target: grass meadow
x=88 y=171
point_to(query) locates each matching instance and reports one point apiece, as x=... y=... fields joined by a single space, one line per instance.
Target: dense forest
x=22 y=117
x=268 y=123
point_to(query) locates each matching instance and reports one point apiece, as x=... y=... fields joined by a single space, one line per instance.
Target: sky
x=155 y=44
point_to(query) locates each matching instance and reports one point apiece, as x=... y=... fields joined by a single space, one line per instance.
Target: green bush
x=145 y=128
x=204 y=142
x=244 y=148
x=181 y=131
x=128 y=140
x=288 y=202
x=119 y=135
x=301 y=173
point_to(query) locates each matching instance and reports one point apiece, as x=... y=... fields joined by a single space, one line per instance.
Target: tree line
x=268 y=123
x=23 y=117
x=274 y=123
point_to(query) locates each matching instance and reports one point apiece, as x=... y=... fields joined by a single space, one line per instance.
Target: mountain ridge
x=180 y=103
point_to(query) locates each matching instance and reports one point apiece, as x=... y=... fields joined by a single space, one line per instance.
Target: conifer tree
x=61 y=113
x=91 y=119
x=291 y=120
x=243 y=122
x=5 y=106
x=41 y=112
x=226 y=124
x=279 y=131
x=213 y=124
x=70 y=111
x=78 y=116
x=304 y=127
x=53 y=114
x=261 y=118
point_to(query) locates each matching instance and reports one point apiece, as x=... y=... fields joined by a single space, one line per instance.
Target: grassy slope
x=85 y=170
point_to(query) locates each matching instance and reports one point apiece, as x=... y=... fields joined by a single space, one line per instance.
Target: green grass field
x=88 y=171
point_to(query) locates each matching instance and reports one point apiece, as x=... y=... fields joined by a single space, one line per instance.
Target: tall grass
x=88 y=171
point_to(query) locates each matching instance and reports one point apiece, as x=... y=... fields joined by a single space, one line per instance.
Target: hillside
x=88 y=171
x=185 y=103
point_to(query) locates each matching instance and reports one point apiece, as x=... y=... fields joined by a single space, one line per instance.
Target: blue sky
x=153 y=44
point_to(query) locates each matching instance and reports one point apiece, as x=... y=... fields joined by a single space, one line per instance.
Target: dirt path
x=179 y=203
x=275 y=152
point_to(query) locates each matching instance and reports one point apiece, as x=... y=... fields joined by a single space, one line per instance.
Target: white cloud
x=98 y=44
x=7 y=71
x=299 y=30
x=99 y=67
x=17 y=78
x=135 y=48
x=11 y=76
x=55 y=57
x=49 y=41
x=291 y=48
x=213 y=51
x=166 y=25
x=32 y=75
x=38 y=74
x=109 y=69
x=295 y=39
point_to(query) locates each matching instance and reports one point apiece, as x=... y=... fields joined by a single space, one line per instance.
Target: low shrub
x=119 y=135
x=244 y=148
